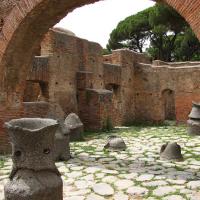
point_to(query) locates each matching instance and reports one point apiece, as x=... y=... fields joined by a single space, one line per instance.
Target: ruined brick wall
x=67 y=56
x=27 y=23
x=112 y=81
x=28 y=109
x=6 y=7
x=7 y=114
x=23 y=29
x=126 y=98
x=187 y=90
x=96 y=110
x=144 y=98
x=15 y=113
x=31 y=92
x=76 y=65
x=153 y=80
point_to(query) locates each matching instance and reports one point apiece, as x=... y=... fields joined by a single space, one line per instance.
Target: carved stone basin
x=32 y=142
x=195 y=113
x=194 y=120
x=34 y=175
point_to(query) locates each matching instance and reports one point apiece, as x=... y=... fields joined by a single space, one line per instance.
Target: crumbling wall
x=5 y=8
x=67 y=56
x=117 y=89
x=152 y=80
x=125 y=111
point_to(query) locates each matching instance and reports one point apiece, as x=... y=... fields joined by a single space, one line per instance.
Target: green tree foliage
x=187 y=47
x=131 y=33
x=167 y=33
x=106 y=52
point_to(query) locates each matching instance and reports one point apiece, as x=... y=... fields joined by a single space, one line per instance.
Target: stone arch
x=29 y=20
x=168 y=101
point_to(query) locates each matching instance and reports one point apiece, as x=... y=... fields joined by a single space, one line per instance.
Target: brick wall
x=5 y=116
x=184 y=105
x=96 y=108
x=152 y=80
x=25 y=24
x=30 y=110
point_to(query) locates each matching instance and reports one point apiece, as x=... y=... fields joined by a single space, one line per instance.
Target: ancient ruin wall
x=27 y=23
x=23 y=29
x=152 y=81
x=67 y=56
x=127 y=103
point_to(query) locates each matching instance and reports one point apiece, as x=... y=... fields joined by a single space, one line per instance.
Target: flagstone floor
x=137 y=173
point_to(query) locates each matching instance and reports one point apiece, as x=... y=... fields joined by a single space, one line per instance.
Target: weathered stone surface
x=110 y=179
x=171 y=151
x=174 y=179
x=62 y=149
x=193 y=127
x=63 y=30
x=145 y=177
x=123 y=184
x=83 y=184
x=173 y=197
x=115 y=143
x=75 y=126
x=155 y=183
x=82 y=89
x=103 y=189
x=25 y=133
x=162 y=191
x=94 y=197
x=46 y=185
x=34 y=174
x=75 y=198
x=120 y=196
x=193 y=184
x=195 y=113
x=137 y=191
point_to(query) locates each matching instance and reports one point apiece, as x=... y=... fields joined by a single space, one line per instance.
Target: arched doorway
x=168 y=100
x=23 y=28
x=25 y=25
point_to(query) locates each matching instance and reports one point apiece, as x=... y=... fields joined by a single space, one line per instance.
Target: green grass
x=2 y=161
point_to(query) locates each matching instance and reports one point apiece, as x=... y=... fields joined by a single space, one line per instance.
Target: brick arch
x=29 y=20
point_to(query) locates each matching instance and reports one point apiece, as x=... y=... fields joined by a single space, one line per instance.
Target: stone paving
x=137 y=173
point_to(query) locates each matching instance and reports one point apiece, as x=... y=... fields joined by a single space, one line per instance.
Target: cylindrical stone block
x=171 y=151
x=193 y=127
x=34 y=175
x=195 y=112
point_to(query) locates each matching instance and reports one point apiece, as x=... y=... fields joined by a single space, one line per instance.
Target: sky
x=96 y=21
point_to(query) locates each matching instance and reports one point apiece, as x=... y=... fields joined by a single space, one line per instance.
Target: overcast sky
x=95 y=22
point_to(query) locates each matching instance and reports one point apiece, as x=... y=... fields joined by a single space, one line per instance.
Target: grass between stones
x=141 y=157
x=2 y=162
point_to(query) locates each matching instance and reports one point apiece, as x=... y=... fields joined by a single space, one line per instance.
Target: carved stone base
x=171 y=151
x=30 y=185
x=193 y=127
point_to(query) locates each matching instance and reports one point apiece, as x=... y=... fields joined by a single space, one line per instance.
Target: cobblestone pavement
x=137 y=173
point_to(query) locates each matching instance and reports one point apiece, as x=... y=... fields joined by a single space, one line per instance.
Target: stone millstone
x=74 y=124
x=115 y=143
x=34 y=175
x=62 y=149
x=195 y=112
x=193 y=127
x=171 y=151
x=30 y=185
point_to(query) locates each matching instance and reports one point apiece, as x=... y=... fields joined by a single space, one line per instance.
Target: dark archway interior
x=168 y=97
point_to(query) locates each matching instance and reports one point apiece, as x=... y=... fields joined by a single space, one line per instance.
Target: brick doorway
x=168 y=98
